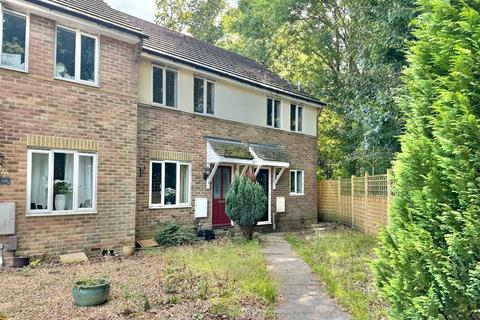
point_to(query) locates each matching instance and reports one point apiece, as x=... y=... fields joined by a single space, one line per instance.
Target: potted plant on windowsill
x=61 y=189
x=91 y=292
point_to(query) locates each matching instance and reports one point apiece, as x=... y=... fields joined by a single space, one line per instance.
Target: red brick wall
x=35 y=103
x=171 y=130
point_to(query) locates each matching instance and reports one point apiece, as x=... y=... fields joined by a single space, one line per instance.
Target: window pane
x=269 y=112
x=226 y=180
x=292 y=181
x=156 y=175
x=39 y=182
x=171 y=88
x=277 y=114
x=85 y=182
x=63 y=181
x=210 y=97
x=170 y=183
x=300 y=119
x=299 y=181
x=293 y=117
x=65 y=54
x=158 y=85
x=87 y=67
x=217 y=189
x=198 y=95
x=184 y=183
x=13 y=44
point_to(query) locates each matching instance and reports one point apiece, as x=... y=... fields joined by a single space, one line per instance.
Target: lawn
x=341 y=258
x=225 y=279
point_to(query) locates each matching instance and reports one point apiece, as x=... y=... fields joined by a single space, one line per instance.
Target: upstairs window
x=296 y=182
x=164 y=82
x=14 y=40
x=273 y=113
x=203 y=96
x=296 y=118
x=76 y=56
x=169 y=184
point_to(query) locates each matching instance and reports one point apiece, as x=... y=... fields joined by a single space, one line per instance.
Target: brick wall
x=36 y=104
x=171 y=130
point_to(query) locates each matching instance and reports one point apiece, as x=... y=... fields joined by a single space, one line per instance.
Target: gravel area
x=146 y=286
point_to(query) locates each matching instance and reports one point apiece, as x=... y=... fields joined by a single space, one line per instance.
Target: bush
x=246 y=204
x=174 y=235
x=428 y=263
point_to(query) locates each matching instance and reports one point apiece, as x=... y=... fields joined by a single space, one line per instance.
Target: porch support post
x=212 y=174
x=258 y=170
x=277 y=178
x=244 y=170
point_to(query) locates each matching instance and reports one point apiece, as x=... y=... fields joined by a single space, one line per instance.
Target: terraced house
x=111 y=126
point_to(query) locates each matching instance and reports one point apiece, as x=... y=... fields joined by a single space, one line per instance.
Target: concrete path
x=302 y=297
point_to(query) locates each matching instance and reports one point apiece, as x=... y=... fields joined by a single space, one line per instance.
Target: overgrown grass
x=227 y=273
x=341 y=258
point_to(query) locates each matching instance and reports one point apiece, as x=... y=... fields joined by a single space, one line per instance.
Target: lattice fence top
x=377 y=185
x=345 y=187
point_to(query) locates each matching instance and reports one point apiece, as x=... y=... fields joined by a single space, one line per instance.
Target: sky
x=144 y=9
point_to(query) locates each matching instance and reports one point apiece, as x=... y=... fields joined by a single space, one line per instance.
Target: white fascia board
x=174 y=64
x=70 y=21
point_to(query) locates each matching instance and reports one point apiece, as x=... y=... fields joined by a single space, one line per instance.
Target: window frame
x=27 y=37
x=50 y=190
x=296 y=193
x=280 y=113
x=205 y=95
x=164 y=87
x=162 y=205
x=78 y=52
x=297 y=108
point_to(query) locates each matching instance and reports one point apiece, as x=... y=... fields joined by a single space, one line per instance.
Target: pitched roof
x=94 y=10
x=206 y=56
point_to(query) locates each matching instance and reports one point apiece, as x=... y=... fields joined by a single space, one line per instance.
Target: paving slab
x=301 y=295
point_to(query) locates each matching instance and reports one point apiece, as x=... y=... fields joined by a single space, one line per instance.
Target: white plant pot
x=60 y=201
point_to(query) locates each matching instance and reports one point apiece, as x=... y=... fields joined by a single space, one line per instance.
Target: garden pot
x=60 y=201
x=128 y=251
x=20 y=262
x=89 y=295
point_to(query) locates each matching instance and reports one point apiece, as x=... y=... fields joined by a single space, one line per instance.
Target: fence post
x=389 y=193
x=365 y=226
x=352 y=183
x=339 y=198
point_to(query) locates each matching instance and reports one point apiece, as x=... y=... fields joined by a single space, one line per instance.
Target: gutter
x=232 y=76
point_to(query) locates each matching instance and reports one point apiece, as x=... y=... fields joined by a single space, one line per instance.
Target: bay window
x=164 y=86
x=203 y=96
x=14 y=32
x=169 y=184
x=61 y=182
x=296 y=182
x=296 y=118
x=273 y=113
x=76 y=56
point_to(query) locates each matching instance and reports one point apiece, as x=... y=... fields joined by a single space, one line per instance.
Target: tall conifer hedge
x=428 y=263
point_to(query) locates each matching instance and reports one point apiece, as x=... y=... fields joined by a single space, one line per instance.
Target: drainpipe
x=274 y=224
x=1 y=255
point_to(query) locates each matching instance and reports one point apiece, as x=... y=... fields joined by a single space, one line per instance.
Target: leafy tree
x=428 y=264
x=246 y=204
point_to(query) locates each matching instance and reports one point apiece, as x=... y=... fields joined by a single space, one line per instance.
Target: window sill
x=264 y=223
x=205 y=114
x=296 y=194
x=159 y=105
x=85 y=83
x=13 y=69
x=152 y=207
x=61 y=213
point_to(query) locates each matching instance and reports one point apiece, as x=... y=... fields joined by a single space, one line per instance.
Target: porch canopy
x=245 y=155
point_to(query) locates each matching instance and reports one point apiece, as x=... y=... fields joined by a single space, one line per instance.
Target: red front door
x=221 y=184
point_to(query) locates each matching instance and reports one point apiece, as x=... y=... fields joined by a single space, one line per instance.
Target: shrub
x=428 y=263
x=246 y=204
x=174 y=235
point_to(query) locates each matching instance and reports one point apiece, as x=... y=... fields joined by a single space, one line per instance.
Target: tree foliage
x=429 y=261
x=246 y=203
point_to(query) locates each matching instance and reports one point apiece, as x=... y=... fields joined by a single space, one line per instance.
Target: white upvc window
x=76 y=56
x=170 y=183
x=296 y=118
x=296 y=182
x=61 y=182
x=14 y=39
x=274 y=117
x=164 y=86
x=203 y=96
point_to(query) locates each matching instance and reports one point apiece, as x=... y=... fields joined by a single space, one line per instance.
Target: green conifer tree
x=428 y=263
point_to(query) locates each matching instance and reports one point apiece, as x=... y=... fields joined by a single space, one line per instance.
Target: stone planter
x=60 y=201
x=88 y=293
x=128 y=251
